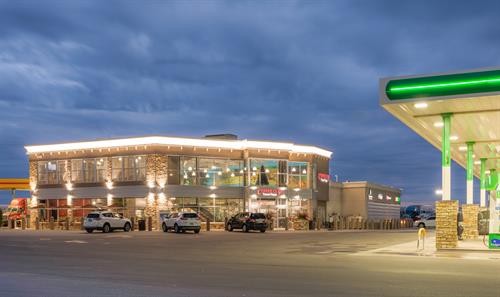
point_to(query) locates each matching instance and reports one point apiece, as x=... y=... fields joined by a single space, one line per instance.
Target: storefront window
x=213 y=209
x=298 y=173
x=220 y=172
x=173 y=170
x=88 y=170
x=266 y=173
x=188 y=170
x=51 y=172
x=129 y=168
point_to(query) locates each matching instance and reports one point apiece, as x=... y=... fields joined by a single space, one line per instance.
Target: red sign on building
x=269 y=192
x=323 y=177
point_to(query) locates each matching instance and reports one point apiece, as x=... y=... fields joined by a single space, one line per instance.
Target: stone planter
x=300 y=225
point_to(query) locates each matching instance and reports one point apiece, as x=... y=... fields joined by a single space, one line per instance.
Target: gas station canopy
x=14 y=184
x=471 y=98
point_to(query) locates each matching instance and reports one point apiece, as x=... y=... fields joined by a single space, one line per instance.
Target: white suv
x=106 y=221
x=182 y=221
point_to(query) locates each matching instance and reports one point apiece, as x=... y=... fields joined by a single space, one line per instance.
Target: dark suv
x=247 y=221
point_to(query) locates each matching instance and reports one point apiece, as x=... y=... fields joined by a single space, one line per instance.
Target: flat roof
x=473 y=99
x=179 y=141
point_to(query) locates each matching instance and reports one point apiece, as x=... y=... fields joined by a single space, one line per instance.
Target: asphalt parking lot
x=52 y=263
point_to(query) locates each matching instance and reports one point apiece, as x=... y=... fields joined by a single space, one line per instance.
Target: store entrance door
x=281 y=214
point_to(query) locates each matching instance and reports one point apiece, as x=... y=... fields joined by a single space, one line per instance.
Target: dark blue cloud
x=303 y=71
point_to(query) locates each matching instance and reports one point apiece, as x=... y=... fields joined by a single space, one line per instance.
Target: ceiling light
x=453 y=137
x=477 y=162
x=439 y=192
x=462 y=148
x=438 y=124
x=421 y=105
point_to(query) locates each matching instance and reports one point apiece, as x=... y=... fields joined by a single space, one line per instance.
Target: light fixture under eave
x=453 y=137
x=438 y=124
x=421 y=105
x=462 y=148
x=477 y=162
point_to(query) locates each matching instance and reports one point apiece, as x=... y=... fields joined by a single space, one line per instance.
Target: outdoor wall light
x=438 y=124
x=453 y=137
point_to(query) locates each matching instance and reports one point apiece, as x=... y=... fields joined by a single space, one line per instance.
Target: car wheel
x=197 y=231
x=106 y=228
x=262 y=230
x=177 y=229
x=89 y=230
x=126 y=228
x=164 y=227
x=421 y=225
x=244 y=228
x=229 y=227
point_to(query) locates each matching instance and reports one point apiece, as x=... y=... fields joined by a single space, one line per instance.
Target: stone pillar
x=33 y=202
x=470 y=214
x=446 y=224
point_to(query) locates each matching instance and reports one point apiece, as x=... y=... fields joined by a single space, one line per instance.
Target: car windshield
x=93 y=215
x=190 y=215
x=258 y=216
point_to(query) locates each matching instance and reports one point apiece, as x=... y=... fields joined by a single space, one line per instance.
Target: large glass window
x=173 y=170
x=51 y=172
x=220 y=172
x=128 y=168
x=298 y=173
x=267 y=173
x=88 y=170
x=188 y=171
x=213 y=209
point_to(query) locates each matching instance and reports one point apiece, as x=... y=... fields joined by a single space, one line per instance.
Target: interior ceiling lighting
x=453 y=137
x=444 y=85
x=169 y=141
x=477 y=162
x=420 y=105
x=438 y=124
x=462 y=148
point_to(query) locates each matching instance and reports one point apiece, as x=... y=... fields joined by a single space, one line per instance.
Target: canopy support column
x=470 y=173
x=446 y=158
x=482 y=201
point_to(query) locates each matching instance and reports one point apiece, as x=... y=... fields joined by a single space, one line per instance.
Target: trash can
x=141 y=224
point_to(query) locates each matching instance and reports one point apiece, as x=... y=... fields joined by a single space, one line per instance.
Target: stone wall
x=446 y=224
x=156 y=177
x=470 y=213
x=33 y=211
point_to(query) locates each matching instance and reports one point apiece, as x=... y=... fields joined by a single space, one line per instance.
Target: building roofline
x=178 y=141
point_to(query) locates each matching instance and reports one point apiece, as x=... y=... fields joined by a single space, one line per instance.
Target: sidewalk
x=467 y=249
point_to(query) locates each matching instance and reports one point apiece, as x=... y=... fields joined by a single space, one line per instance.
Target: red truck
x=16 y=210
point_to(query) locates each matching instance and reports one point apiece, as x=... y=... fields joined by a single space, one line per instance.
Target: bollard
x=23 y=223
x=82 y=221
x=150 y=224
x=225 y=223
x=66 y=224
x=37 y=223
x=286 y=223
x=208 y=224
x=132 y=224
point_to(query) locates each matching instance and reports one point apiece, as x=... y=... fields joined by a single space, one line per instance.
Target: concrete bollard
x=82 y=221
x=208 y=225
x=132 y=223
x=66 y=224
x=286 y=223
x=37 y=223
x=23 y=223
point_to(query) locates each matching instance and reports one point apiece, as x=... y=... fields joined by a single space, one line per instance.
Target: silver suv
x=106 y=221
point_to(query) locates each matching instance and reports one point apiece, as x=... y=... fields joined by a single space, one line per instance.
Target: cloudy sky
x=301 y=71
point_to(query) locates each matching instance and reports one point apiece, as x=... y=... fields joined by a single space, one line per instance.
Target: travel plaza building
x=215 y=176
x=459 y=114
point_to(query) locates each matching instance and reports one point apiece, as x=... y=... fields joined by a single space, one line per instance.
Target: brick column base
x=446 y=224
x=470 y=213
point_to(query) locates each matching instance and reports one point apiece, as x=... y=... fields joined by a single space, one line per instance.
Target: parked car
x=106 y=221
x=247 y=221
x=425 y=222
x=182 y=221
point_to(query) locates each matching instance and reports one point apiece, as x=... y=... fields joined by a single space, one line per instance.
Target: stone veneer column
x=446 y=224
x=151 y=209
x=33 y=171
x=470 y=223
